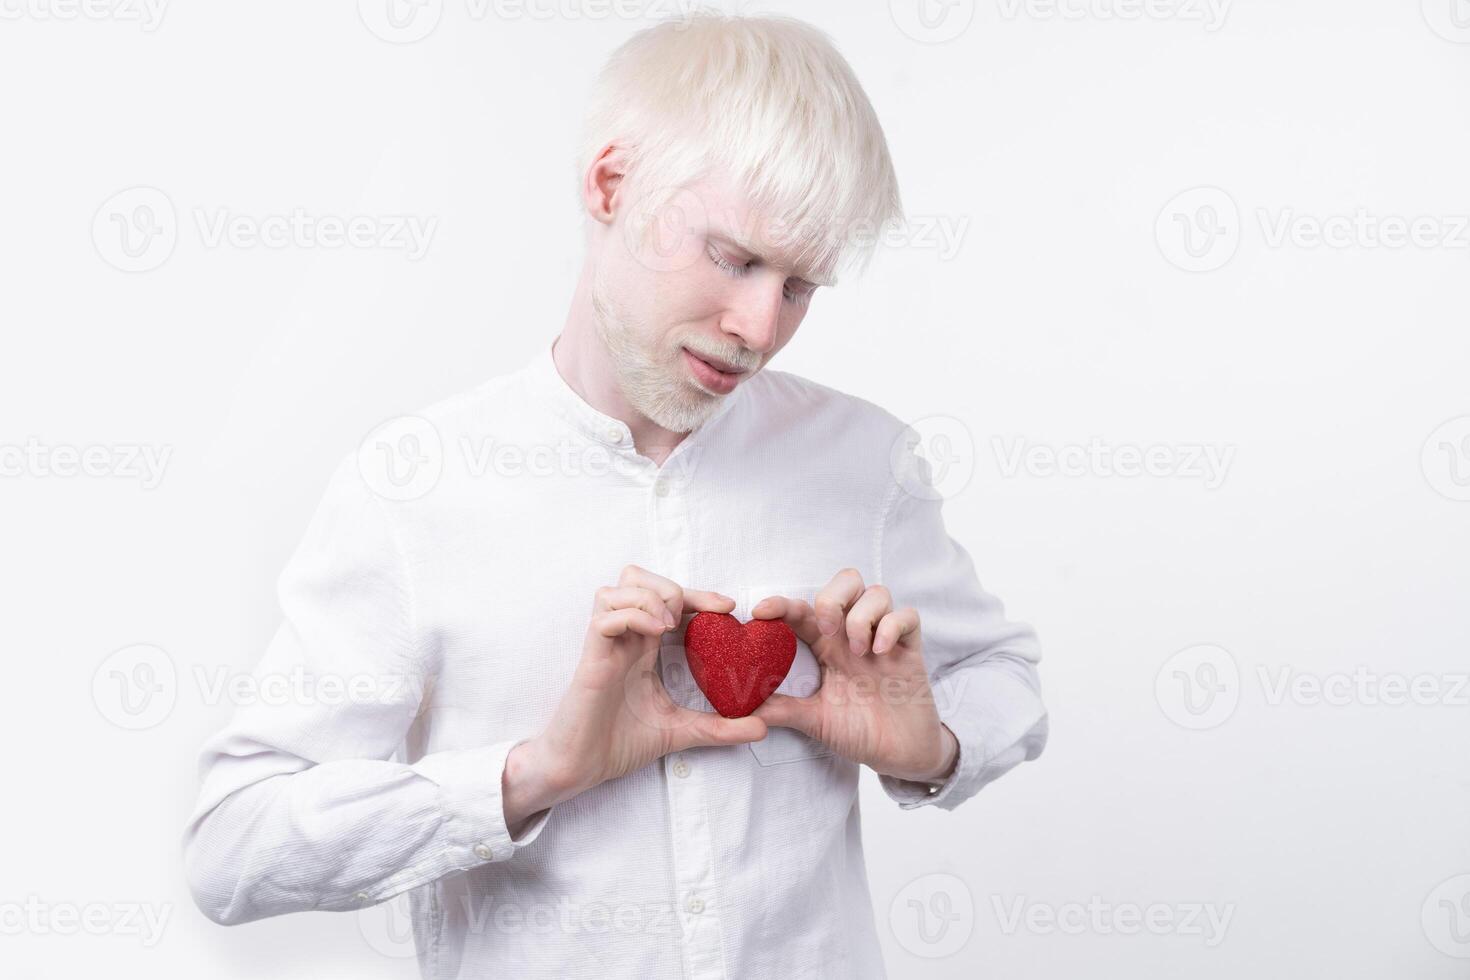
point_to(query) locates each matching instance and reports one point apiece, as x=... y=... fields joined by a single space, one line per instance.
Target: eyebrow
x=806 y=275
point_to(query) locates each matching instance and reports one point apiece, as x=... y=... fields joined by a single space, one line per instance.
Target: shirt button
x=695 y=905
x=662 y=489
x=483 y=852
x=614 y=434
x=361 y=897
x=681 y=768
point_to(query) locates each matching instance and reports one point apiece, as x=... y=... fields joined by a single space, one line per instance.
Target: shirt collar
x=547 y=382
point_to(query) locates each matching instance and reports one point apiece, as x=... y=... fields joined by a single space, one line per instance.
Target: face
x=695 y=306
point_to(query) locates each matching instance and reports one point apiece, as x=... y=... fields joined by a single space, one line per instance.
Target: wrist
x=949 y=757
x=532 y=782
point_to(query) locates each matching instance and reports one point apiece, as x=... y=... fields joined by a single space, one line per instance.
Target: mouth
x=713 y=375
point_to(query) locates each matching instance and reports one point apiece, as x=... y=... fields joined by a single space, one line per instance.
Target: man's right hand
x=616 y=716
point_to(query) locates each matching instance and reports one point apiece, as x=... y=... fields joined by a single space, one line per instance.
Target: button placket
x=691 y=833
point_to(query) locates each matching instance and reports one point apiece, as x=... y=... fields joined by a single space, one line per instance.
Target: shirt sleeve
x=981 y=666
x=300 y=806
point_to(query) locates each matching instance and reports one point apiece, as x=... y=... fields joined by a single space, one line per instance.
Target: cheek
x=688 y=295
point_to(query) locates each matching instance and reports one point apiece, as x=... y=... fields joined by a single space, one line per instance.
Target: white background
x=1059 y=140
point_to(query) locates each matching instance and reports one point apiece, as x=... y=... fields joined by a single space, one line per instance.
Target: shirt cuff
x=469 y=782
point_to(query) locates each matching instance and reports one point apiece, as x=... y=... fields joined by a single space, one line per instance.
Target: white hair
x=766 y=100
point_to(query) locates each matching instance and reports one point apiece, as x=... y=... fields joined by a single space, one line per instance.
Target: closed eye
x=794 y=291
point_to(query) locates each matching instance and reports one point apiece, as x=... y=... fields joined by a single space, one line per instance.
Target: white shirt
x=447 y=603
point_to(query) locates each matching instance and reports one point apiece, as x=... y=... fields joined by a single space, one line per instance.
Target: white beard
x=655 y=388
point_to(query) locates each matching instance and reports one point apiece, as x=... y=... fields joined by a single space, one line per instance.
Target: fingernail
x=669 y=619
x=855 y=645
x=826 y=626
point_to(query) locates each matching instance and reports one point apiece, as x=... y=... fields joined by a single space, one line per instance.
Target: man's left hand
x=875 y=705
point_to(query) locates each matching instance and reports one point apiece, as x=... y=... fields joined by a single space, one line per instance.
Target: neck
x=584 y=363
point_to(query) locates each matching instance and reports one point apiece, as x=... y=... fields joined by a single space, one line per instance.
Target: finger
x=832 y=602
x=707 y=728
x=611 y=597
x=785 y=711
x=899 y=627
x=872 y=605
x=793 y=612
x=619 y=621
x=698 y=600
x=667 y=589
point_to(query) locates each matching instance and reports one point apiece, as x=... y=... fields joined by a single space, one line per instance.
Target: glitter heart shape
x=738 y=665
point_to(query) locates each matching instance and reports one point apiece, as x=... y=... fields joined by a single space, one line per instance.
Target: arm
x=300 y=806
x=982 y=667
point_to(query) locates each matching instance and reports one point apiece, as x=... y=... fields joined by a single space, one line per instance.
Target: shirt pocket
x=786 y=745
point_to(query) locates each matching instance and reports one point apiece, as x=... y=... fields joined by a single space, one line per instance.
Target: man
x=547 y=783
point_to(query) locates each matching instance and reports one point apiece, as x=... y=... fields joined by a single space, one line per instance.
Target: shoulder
x=811 y=410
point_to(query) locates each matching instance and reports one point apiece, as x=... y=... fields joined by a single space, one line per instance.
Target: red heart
x=737 y=665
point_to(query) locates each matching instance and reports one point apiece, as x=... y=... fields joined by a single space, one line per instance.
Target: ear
x=602 y=181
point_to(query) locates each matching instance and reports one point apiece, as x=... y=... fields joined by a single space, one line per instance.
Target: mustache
x=741 y=358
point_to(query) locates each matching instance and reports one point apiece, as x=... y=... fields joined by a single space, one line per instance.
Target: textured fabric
x=455 y=620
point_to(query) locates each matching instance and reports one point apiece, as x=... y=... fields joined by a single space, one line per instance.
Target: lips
x=718 y=364
x=710 y=377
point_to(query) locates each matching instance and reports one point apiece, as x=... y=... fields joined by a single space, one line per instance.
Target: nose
x=755 y=316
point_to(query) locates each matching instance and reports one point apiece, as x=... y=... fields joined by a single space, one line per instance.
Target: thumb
x=787 y=712
x=708 y=728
